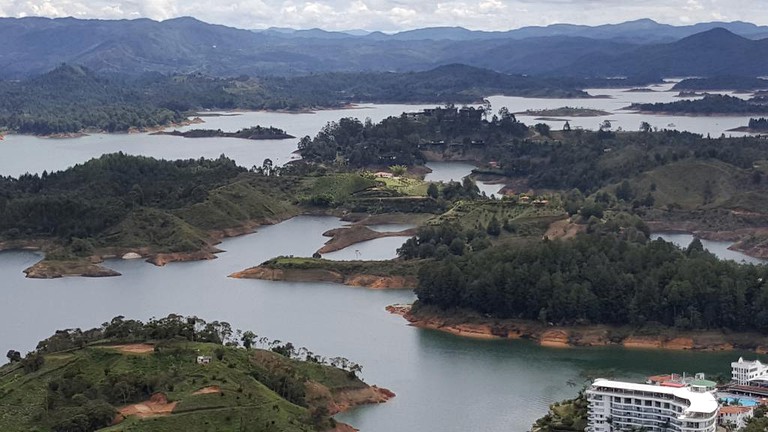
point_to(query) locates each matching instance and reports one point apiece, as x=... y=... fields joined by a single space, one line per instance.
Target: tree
x=645 y=127
x=567 y=127
x=494 y=227
x=542 y=129
x=398 y=170
x=13 y=356
x=219 y=353
x=624 y=191
x=433 y=191
x=248 y=339
x=32 y=362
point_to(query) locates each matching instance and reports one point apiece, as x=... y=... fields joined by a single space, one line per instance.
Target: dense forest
x=72 y=98
x=758 y=124
x=605 y=278
x=400 y=140
x=88 y=198
x=710 y=104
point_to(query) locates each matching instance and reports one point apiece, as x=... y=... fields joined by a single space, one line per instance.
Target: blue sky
x=394 y=15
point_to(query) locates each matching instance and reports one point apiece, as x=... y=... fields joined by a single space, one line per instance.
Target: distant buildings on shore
x=677 y=402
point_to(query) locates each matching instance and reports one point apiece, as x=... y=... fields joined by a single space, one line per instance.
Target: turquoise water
x=743 y=401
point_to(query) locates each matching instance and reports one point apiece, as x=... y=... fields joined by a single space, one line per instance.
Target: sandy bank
x=472 y=325
x=322 y=275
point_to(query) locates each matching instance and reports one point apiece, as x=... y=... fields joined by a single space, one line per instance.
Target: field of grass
x=700 y=184
x=248 y=199
x=339 y=188
x=406 y=186
x=242 y=402
x=477 y=214
x=163 y=231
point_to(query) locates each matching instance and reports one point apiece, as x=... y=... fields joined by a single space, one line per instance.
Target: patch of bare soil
x=157 y=405
x=133 y=348
x=208 y=390
x=563 y=229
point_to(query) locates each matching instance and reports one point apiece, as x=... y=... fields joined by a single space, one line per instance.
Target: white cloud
x=392 y=15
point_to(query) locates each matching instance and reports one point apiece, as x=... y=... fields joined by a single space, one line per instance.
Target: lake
x=21 y=154
x=443 y=382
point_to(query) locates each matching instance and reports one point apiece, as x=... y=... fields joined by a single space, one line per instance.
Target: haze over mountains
x=639 y=49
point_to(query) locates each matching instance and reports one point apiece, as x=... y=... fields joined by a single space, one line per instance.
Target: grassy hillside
x=693 y=184
x=158 y=385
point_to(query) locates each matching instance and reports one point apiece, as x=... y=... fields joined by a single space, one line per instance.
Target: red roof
x=659 y=378
x=672 y=384
x=733 y=409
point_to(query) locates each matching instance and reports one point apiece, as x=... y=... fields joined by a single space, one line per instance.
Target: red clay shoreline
x=475 y=326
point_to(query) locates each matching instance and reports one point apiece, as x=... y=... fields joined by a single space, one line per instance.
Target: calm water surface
x=443 y=382
x=718 y=248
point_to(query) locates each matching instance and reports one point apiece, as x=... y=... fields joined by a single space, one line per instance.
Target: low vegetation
x=565 y=416
x=149 y=376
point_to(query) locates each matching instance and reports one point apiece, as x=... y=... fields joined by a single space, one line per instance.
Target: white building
x=619 y=406
x=735 y=415
x=744 y=371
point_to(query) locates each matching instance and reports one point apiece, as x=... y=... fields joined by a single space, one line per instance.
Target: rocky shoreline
x=475 y=326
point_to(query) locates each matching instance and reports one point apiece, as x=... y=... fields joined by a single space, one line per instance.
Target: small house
x=735 y=415
x=203 y=360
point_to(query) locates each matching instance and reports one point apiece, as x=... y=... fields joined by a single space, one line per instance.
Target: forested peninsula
x=176 y=373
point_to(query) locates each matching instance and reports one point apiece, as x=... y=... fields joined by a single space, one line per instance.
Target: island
x=251 y=133
x=711 y=104
x=177 y=373
x=565 y=112
x=368 y=274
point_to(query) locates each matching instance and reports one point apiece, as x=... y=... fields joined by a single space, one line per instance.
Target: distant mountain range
x=644 y=48
x=639 y=31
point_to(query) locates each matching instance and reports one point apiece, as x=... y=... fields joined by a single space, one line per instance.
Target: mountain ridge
x=187 y=45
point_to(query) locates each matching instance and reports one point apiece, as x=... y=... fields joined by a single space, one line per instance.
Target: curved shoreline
x=342 y=238
x=475 y=326
x=90 y=266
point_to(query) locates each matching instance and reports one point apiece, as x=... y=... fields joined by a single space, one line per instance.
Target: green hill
x=695 y=184
x=130 y=376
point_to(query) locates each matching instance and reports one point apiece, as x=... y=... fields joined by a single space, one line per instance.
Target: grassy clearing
x=243 y=403
x=406 y=186
x=477 y=214
x=375 y=268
